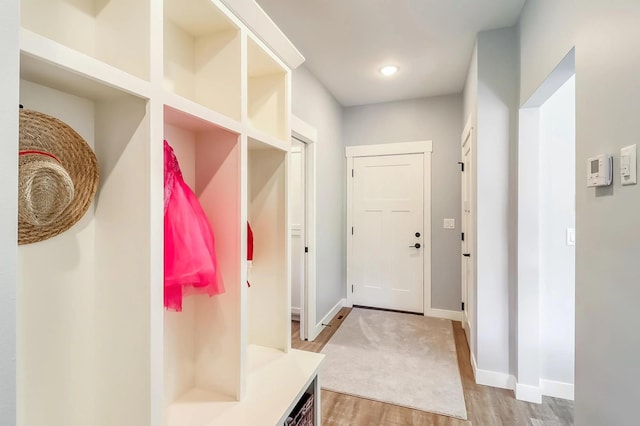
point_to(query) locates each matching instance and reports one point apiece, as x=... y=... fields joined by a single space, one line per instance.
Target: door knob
x=466 y=254
x=416 y=245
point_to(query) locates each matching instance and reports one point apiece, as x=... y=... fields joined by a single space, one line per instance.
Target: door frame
x=418 y=147
x=298 y=147
x=467 y=138
x=308 y=135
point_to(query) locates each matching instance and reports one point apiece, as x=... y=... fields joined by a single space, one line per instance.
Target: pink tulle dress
x=190 y=263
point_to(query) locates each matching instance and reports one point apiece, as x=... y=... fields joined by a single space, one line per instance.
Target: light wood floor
x=486 y=406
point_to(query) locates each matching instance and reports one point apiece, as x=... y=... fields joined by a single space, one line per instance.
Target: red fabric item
x=249 y=242
x=249 y=246
x=190 y=263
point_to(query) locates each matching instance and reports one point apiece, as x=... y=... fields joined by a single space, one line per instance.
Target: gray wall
x=546 y=36
x=608 y=224
x=496 y=210
x=438 y=119
x=470 y=93
x=315 y=105
x=9 y=24
x=606 y=37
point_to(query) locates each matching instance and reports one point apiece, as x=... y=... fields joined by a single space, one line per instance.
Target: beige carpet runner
x=401 y=359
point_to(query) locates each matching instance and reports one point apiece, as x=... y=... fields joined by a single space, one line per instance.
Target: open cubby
x=202 y=343
x=116 y=32
x=83 y=296
x=268 y=296
x=268 y=99
x=202 y=55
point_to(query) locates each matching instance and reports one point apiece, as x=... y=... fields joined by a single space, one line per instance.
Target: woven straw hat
x=57 y=178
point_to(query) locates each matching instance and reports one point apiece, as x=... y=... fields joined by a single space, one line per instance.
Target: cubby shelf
x=96 y=346
x=115 y=32
x=59 y=66
x=268 y=92
x=202 y=55
x=260 y=141
x=177 y=107
x=268 y=298
x=80 y=304
x=202 y=343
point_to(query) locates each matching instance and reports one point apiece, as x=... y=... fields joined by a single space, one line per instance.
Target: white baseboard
x=522 y=392
x=327 y=318
x=494 y=379
x=295 y=313
x=557 y=389
x=528 y=393
x=551 y=388
x=443 y=313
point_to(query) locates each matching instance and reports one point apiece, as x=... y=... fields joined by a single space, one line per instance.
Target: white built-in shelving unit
x=95 y=345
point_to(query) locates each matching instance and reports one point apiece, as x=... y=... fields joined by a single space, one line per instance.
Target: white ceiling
x=347 y=41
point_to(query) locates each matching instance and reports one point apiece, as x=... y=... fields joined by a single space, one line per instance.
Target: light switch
x=449 y=224
x=628 y=165
x=571 y=236
x=624 y=166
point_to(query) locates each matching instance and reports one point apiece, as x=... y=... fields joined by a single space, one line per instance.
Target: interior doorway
x=546 y=239
x=297 y=200
x=302 y=220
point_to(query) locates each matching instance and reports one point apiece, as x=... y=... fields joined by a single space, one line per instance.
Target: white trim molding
x=467 y=132
x=522 y=392
x=303 y=131
x=551 y=388
x=252 y=15
x=557 y=389
x=327 y=319
x=399 y=148
x=468 y=284
x=308 y=135
x=528 y=393
x=492 y=378
x=443 y=313
x=295 y=312
x=389 y=149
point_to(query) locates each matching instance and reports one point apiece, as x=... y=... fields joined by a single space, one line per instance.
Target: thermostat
x=600 y=170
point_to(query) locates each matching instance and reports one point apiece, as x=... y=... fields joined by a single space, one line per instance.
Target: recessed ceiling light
x=389 y=70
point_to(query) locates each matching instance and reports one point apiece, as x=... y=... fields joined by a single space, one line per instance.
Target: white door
x=467 y=232
x=388 y=244
x=297 y=203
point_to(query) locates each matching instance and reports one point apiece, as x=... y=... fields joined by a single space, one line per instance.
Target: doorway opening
x=302 y=208
x=546 y=239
